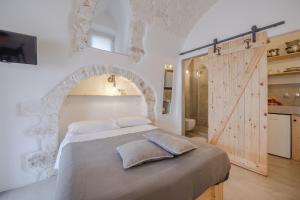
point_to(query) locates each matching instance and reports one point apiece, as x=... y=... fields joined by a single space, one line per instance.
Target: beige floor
x=196 y=137
x=283 y=183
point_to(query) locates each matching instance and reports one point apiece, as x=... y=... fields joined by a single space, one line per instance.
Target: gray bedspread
x=93 y=170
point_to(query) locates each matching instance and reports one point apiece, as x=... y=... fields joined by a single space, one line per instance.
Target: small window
x=101 y=41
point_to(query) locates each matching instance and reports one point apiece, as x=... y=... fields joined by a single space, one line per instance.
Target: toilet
x=189 y=124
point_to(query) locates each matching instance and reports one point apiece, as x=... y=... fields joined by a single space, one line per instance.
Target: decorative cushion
x=172 y=144
x=83 y=127
x=133 y=121
x=140 y=151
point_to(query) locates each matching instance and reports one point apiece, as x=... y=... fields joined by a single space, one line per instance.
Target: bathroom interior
x=196 y=97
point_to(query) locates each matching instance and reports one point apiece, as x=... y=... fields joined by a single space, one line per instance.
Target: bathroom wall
x=287 y=94
x=196 y=94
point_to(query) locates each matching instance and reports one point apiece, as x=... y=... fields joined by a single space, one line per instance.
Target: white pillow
x=132 y=121
x=83 y=127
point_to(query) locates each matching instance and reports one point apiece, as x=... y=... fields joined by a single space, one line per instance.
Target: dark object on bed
x=92 y=170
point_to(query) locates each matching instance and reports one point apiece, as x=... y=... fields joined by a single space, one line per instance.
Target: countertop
x=289 y=110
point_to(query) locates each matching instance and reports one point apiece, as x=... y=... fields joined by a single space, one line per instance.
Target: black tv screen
x=17 y=48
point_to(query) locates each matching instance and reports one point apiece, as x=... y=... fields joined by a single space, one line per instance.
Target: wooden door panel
x=238 y=102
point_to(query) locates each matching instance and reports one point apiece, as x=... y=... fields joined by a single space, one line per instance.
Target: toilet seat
x=189 y=124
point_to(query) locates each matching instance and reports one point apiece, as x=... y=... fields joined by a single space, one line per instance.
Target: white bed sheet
x=99 y=135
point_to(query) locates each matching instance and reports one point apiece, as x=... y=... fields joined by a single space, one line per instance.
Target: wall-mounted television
x=17 y=48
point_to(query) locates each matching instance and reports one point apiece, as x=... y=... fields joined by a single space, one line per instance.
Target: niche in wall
x=110 y=26
x=101 y=97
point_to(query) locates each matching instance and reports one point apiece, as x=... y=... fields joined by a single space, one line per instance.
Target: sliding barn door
x=238 y=101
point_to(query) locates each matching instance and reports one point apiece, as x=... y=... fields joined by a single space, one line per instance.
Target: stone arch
x=47 y=110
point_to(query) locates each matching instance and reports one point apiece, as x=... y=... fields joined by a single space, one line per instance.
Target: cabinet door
x=296 y=137
x=279 y=135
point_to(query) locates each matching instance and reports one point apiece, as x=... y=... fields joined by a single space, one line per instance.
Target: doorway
x=195 y=87
x=237 y=100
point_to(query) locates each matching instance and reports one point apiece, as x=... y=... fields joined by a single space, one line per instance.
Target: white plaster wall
x=99 y=85
x=80 y=108
x=230 y=17
x=94 y=99
x=49 y=21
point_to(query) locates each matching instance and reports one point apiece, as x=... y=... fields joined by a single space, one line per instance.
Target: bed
x=89 y=168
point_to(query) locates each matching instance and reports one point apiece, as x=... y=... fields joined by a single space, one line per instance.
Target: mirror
x=167 y=90
x=110 y=26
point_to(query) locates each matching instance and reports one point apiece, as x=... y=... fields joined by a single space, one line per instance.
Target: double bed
x=90 y=168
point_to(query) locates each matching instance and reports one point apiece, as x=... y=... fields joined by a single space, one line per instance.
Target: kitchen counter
x=289 y=110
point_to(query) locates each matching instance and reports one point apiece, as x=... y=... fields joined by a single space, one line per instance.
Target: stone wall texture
x=47 y=111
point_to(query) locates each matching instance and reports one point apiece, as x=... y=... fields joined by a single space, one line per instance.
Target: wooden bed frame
x=213 y=193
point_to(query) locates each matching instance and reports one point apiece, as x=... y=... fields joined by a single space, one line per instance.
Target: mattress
x=92 y=170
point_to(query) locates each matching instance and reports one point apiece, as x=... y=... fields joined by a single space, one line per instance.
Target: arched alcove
x=101 y=97
x=47 y=110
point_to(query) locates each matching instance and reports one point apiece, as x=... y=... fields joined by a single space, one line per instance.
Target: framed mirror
x=110 y=24
x=167 y=89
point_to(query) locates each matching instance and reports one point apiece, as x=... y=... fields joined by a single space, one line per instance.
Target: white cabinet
x=279 y=135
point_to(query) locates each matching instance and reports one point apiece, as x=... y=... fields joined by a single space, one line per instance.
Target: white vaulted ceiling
x=176 y=16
